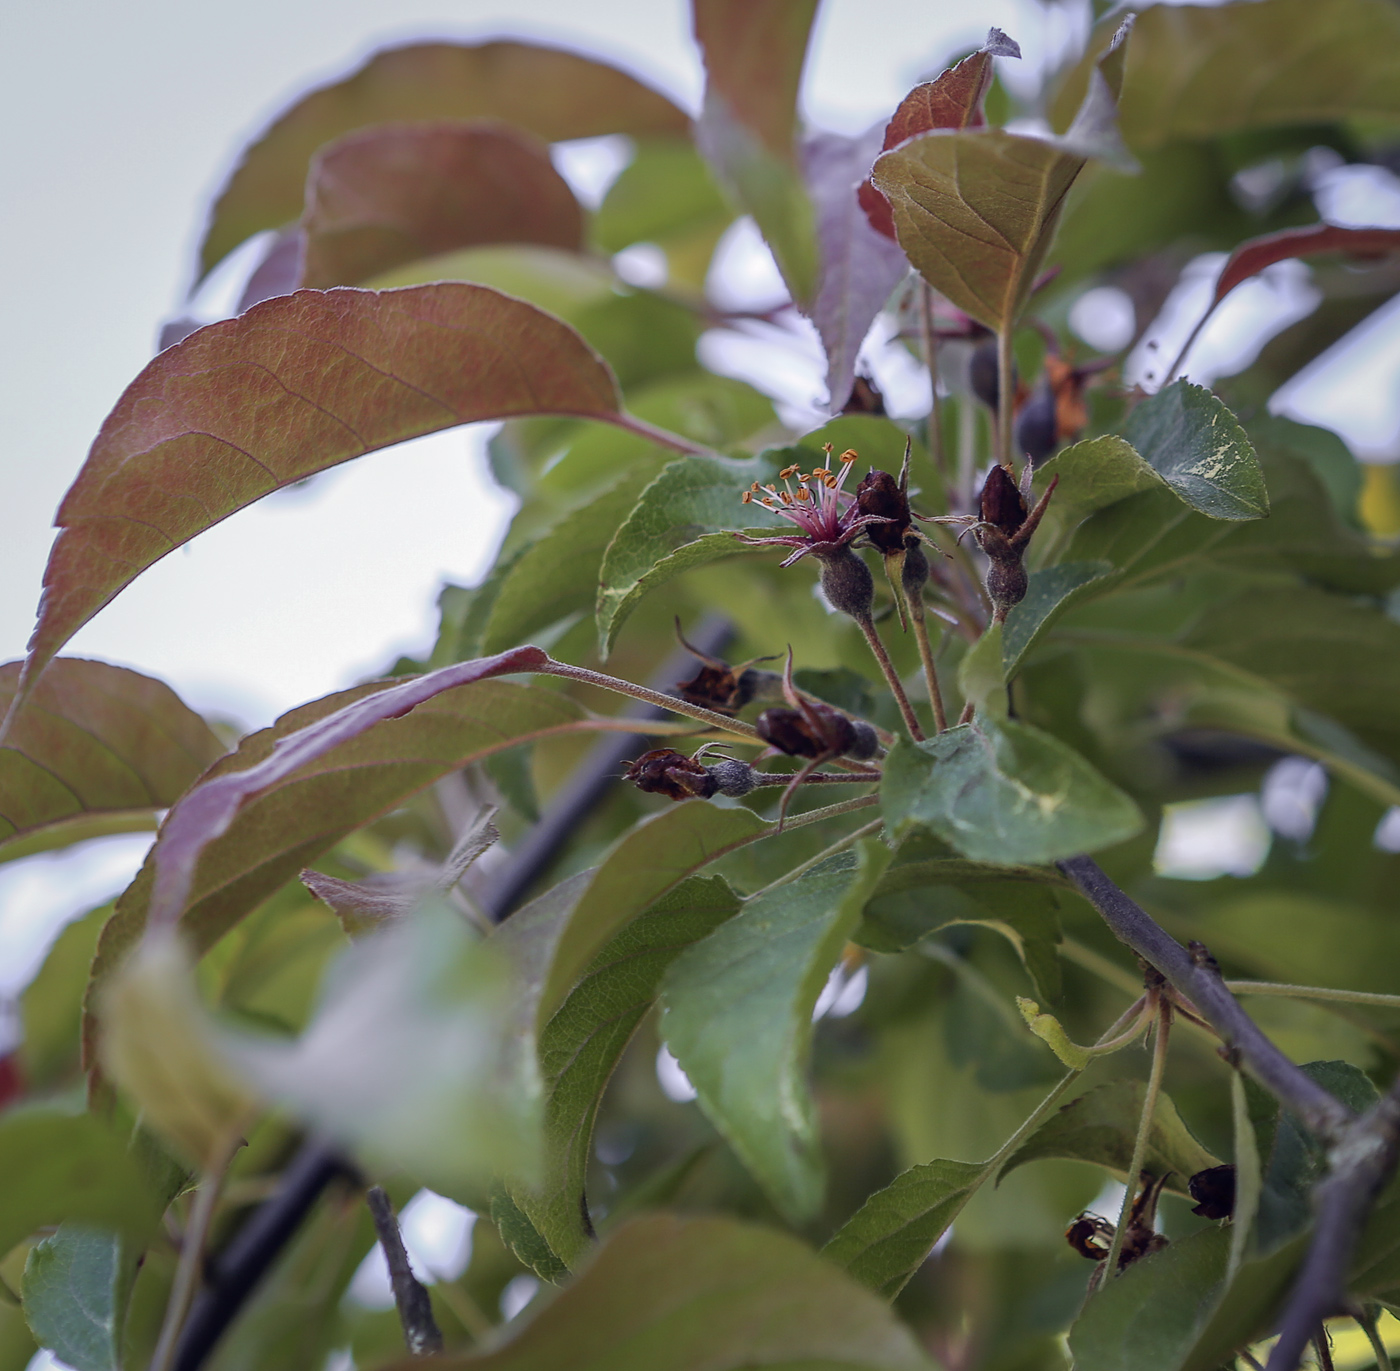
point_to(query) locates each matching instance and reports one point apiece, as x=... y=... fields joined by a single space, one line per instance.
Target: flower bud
x=879 y=495
x=914 y=573
x=866 y=743
x=664 y=771
x=733 y=778
x=1002 y=505
x=848 y=584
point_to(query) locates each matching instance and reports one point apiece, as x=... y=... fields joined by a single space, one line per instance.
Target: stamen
x=748 y=497
x=830 y=482
x=804 y=494
x=850 y=455
x=789 y=471
x=785 y=497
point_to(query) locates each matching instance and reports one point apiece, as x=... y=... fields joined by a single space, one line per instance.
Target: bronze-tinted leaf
x=96 y=749
x=400 y=192
x=298 y=384
x=1250 y=258
x=548 y=92
x=754 y=52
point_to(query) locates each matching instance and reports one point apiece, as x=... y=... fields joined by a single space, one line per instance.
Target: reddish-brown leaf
x=546 y=91
x=95 y=749
x=400 y=192
x=298 y=384
x=1250 y=258
x=952 y=100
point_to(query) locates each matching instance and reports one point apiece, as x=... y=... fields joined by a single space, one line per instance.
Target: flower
x=827 y=515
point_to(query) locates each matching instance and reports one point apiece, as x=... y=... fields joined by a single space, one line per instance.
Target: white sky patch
x=842 y=994
x=674 y=1083
x=1291 y=796
x=1104 y=318
x=1387 y=835
x=591 y=165
x=1203 y=839
x=519 y=1291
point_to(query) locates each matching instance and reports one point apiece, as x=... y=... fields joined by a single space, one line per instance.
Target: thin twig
x=935 y=695
x=1197 y=977
x=1359 y=1164
x=763 y=778
x=877 y=646
x=420 y=1331
x=935 y=413
x=1149 y=1110
x=1313 y=992
x=191 y=1261
x=1005 y=397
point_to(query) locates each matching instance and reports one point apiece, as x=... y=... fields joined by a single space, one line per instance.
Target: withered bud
x=664 y=771
x=724 y=690
x=1214 y=1192
x=817 y=730
x=1002 y=505
x=848 y=584
x=879 y=495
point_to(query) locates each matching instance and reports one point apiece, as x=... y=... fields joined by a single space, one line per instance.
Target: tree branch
x=420 y=1331
x=1196 y=976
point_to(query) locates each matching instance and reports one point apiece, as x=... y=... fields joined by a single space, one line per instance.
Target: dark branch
x=420 y=1330
x=1361 y=1162
x=1196 y=976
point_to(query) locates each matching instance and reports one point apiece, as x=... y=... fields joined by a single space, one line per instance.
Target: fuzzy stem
x=652 y=697
x=1313 y=992
x=935 y=695
x=877 y=646
x=191 y=1260
x=819 y=778
x=1366 y=1317
x=815 y=816
x=1005 y=398
x=1149 y=1108
x=935 y=413
x=420 y=1331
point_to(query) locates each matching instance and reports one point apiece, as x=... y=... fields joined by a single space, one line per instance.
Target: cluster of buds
x=1092 y=1236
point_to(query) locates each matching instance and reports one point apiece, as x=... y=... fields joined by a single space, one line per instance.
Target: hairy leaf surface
x=75 y=1288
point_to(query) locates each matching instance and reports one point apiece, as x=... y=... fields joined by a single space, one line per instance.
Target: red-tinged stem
x=663 y=436
x=1006 y=399
x=911 y=720
x=935 y=695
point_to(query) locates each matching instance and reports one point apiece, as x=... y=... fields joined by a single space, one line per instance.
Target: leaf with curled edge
x=384 y=196
x=952 y=100
x=976 y=209
x=96 y=749
x=298 y=384
x=545 y=91
x=291 y=792
x=754 y=52
x=856 y=268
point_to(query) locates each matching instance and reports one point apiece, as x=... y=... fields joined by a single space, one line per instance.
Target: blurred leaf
x=96 y=749
x=75 y=1288
x=1149 y=1317
x=1100 y=1127
x=307 y=381
x=1004 y=792
x=737 y=1014
x=409 y=1060
x=890 y=1236
x=1246 y=1309
x=1203 y=71
x=56 y=1166
x=551 y=93
x=581 y=1044
x=704 y=1294
x=857 y=268
x=638 y=869
x=291 y=792
x=975 y=209
x=1200 y=450
x=1326 y=456
x=158 y=1044
x=682 y=519
x=393 y=194
x=665 y=190
x=1250 y=258
x=51 y=1007
x=754 y=51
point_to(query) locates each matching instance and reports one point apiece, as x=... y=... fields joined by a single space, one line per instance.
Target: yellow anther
x=804 y=494
x=829 y=482
x=786 y=498
x=826 y=448
x=787 y=472
x=748 y=497
x=850 y=455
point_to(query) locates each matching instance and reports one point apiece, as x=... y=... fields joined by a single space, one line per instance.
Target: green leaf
x=75 y=1289
x=889 y=1237
x=96 y=749
x=300 y=384
x=1210 y=70
x=51 y=1006
x=384 y=196
x=705 y=1294
x=580 y=1046
x=410 y=1059
x=1050 y=593
x=738 y=1016
x=666 y=190
x=56 y=1166
x=754 y=55
x=545 y=91
x=681 y=520
x=1101 y=1126
x=1149 y=1317
x=1201 y=451
x=523 y=1238
x=1092 y=475
x=638 y=869
x=1004 y=792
